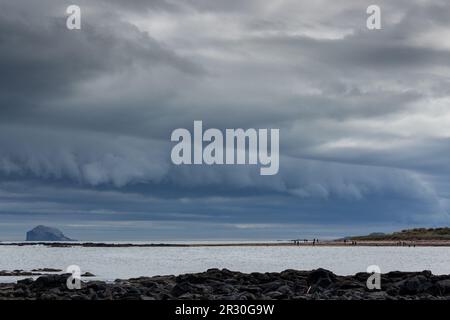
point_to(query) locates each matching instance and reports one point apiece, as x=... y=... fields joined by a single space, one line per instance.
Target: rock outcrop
x=43 y=233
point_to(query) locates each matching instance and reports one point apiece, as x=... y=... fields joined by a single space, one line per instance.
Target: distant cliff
x=43 y=233
x=410 y=234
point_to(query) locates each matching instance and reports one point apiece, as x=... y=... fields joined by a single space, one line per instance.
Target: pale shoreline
x=301 y=243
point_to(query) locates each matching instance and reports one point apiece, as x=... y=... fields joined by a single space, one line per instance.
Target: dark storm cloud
x=86 y=115
x=41 y=58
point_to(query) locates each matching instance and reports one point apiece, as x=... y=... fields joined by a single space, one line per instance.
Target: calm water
x=113 y=263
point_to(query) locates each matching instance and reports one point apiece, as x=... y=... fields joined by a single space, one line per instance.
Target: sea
x=110 y=263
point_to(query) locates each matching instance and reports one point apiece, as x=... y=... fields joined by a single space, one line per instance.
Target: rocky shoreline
x=291 y=243
x=36 y=272
x=223 y=284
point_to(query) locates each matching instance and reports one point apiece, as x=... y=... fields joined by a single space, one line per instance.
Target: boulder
x=321 y=278
x=444 y=286
x=414 y=285
x=51 y=281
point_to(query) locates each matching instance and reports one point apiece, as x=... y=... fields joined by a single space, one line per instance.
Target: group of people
x=404 y=244
x=349 y=242
x=314 y=241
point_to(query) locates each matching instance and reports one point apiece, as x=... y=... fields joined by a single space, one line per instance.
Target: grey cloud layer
x=363 y=115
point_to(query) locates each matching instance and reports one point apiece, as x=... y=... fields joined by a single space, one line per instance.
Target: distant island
x=44 y=233
x=408 y=235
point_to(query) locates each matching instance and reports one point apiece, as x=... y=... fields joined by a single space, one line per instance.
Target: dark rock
x=397 y=274
x=78 y=297
x=393 y=290
x=225 y=284
x=189 y=296
x=25 y=282
x=252 y=289
x=362 y=276
x=97 y=286
x=48 y=296
x=426 y=273
x=225 y=288
x=414 y=285
x=292 y=274
x=150 y=284
x=275 y=295
x=378 y=295
x=20 y=293
x=444 y=286
x=51 y=281
x=194 y=278
x=181 y=288
x=321 y=278
x=46 y=270
x=16 y=273
x=88 y=274
x=350 y=284
x=272 y=286
x=44 y=233
x=247 y=296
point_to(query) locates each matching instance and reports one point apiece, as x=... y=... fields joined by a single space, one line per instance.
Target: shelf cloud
x=86 y=115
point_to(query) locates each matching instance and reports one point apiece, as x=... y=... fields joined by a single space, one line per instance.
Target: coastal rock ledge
x=224 y=284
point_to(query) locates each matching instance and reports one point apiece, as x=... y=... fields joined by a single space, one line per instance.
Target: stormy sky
x=86 y=117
